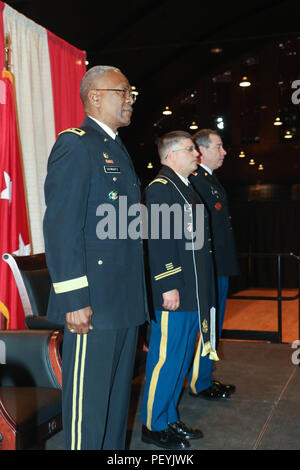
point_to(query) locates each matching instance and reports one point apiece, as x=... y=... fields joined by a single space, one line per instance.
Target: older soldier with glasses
x=98 y=285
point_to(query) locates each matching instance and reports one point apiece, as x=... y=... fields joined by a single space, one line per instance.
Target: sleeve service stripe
x=68 y=286
x=168 y=273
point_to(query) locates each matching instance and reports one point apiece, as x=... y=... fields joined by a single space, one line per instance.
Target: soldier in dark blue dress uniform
x=98 y=288
x=214 y=196
x=182 y=284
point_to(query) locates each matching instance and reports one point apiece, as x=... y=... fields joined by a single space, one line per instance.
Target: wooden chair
x=30 y=388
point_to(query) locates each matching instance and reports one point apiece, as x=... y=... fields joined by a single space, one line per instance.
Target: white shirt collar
x=105 y=127
x=185 y=180
x=206 y=168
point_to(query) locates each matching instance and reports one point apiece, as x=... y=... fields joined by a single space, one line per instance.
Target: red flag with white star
x=14 y=233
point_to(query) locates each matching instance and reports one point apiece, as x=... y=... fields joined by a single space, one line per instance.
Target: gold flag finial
x=7 y=52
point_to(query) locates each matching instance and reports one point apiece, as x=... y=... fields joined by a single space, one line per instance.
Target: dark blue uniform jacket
x=214 y=196
x=172 y=266
x=86 y=169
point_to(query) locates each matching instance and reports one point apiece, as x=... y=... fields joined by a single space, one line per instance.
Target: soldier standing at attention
x=182 y=283
x=213 y=194
x=98 y=290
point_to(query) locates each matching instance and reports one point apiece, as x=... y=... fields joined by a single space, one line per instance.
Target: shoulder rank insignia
x=74 y=130
x=158 y=180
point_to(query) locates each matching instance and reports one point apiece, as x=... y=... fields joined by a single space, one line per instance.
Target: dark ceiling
x=164 y=48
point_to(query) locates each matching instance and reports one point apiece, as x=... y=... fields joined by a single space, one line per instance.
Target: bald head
x=107 y=96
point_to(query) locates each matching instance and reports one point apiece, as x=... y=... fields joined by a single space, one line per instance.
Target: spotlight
x=134 y=90
x=288 y=135
x=245 y=82
x=167 y=111
x=216 y=50
x=220 y=123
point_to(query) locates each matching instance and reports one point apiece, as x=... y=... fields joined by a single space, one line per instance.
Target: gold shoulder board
x=158 y=180
x=75 y=130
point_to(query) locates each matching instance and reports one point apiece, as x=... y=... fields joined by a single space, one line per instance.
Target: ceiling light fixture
x=150 y=166
x=242 y=154
x=134 y=90
x=193 y=126
x=277 y=122
x=167 y=111
x=220 y=123
x=245 y=82
x=288 y=135
x=261 y=167
x=252 y=162
x=216 y=50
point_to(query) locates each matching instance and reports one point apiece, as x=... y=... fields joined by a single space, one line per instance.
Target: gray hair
x=90 y=78
x=202 y=137
x=167 y=141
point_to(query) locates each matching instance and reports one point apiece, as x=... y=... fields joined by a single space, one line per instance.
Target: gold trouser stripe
x=75 y=392
x=157 y=369
x=167 y=273
x=77 y=402
x=73 y=284
x=81 y=391
x=196 y=365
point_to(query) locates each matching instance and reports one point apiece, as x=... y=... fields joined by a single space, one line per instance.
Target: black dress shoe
x=181 y=430
x=165 y=439
x=214 y=392
x=230 y=389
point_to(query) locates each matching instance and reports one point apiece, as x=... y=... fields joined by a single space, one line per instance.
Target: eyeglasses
x=187 y=149
x=126 y=93
x=190 y=149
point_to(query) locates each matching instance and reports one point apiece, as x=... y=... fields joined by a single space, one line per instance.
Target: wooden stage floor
x=261 y=315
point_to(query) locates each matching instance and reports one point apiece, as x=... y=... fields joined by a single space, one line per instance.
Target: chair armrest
x=31 y=358
x=33 y=322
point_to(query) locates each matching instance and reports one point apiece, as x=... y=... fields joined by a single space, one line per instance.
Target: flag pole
x=7 y=53
x=4 y=322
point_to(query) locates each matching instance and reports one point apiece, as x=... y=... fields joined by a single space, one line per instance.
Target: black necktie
x=119 y=141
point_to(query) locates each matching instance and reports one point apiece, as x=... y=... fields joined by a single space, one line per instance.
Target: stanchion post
x=279 y=301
